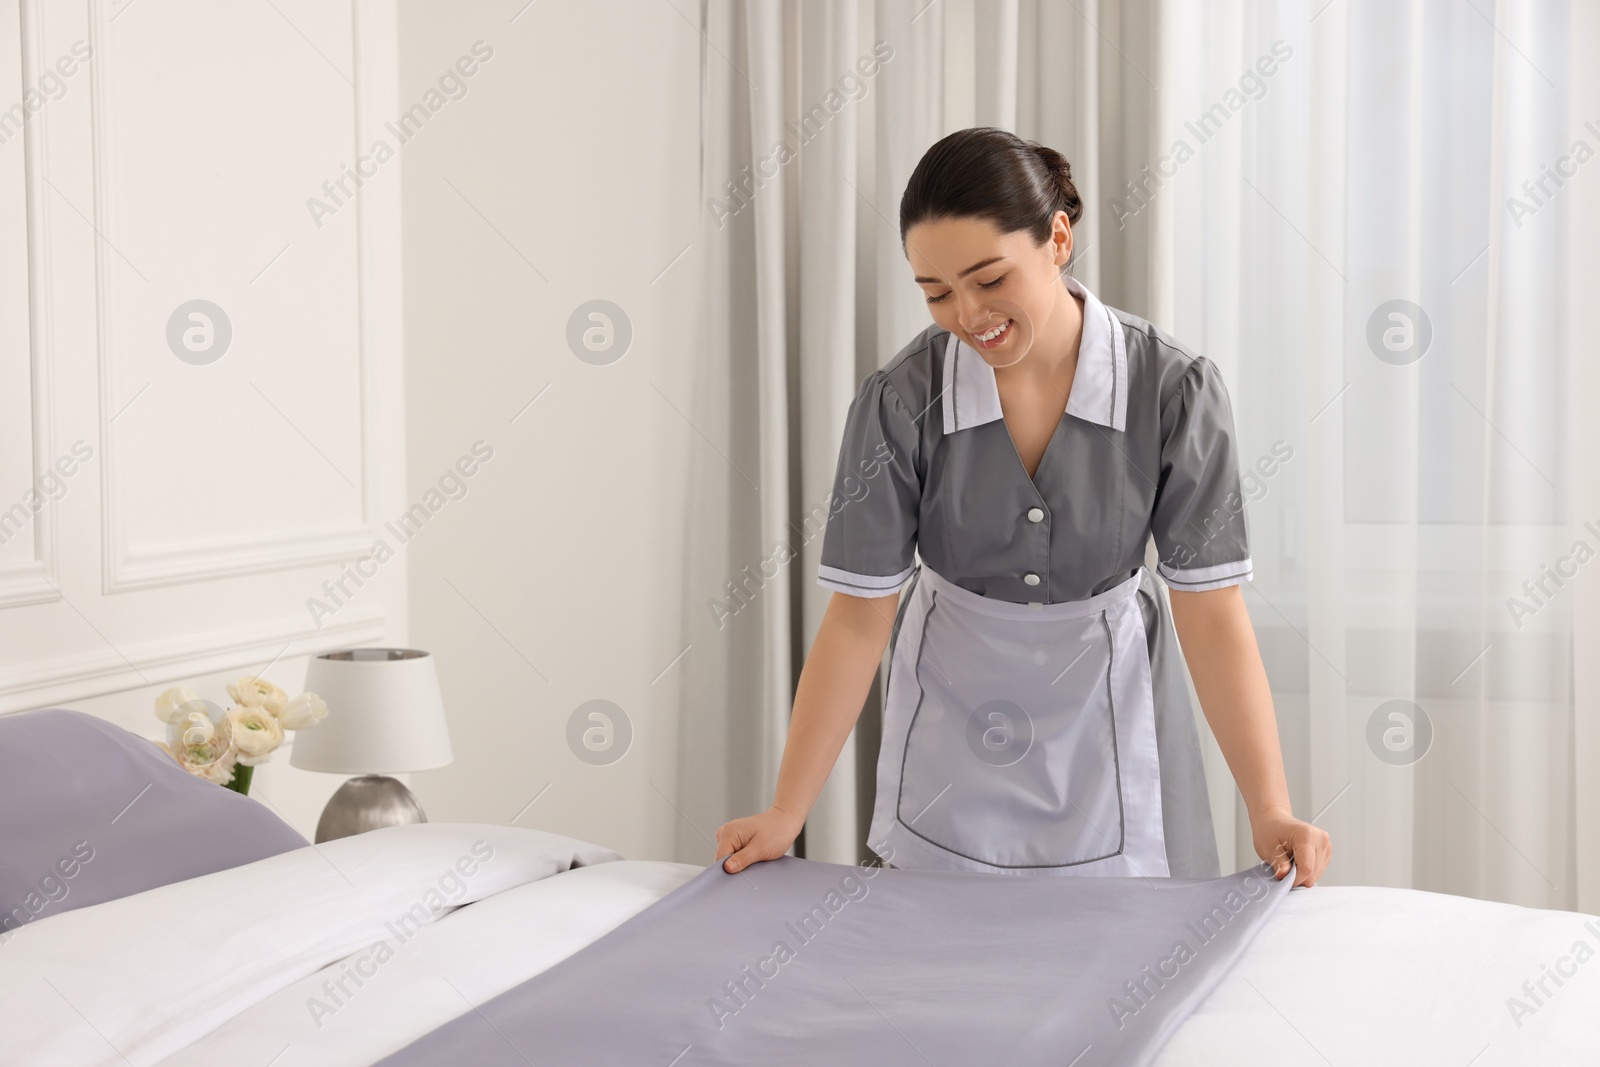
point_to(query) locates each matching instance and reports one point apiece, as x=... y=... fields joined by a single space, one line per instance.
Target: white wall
x=160 y=153
x=566 y=173
x=181 y=158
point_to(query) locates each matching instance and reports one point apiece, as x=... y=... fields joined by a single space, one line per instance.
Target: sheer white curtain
x=1355 y=246
x=1303 y=192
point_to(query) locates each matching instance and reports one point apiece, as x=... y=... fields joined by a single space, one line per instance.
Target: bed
x=364 y=950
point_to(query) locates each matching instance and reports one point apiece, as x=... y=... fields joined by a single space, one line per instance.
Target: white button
x=1035 y=514
x=1031 y=579
x=1035 y=605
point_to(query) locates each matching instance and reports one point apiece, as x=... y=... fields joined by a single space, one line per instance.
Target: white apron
x=1020 y=739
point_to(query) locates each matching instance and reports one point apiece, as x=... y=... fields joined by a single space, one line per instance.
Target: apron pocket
x=1011 y=754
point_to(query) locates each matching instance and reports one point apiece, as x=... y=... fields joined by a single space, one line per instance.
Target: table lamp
x=385 y=716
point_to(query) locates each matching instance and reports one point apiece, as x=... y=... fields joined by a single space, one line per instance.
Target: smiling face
x=976 y=279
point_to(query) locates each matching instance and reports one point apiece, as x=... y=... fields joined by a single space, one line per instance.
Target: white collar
x=1099 y=385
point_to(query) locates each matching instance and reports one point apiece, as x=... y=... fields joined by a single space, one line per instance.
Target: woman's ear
x=1061 y=239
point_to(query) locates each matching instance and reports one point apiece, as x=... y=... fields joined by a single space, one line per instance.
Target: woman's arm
x=1219 y=646
x=833 y=688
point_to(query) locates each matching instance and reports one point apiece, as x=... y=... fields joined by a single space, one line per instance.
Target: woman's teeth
x=995 y=335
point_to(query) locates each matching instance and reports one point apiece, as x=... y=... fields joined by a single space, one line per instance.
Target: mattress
x=1338 y=975
x=1343 y=975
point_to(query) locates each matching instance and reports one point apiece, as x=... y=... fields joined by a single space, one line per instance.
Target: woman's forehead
x=947 y=249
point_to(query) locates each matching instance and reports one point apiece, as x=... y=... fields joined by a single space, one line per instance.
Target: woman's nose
x=972 y=315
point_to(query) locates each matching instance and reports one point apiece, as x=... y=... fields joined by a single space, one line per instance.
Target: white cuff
x=864 y=585
x=1198 y=579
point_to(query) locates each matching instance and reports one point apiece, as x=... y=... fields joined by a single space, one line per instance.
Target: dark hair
x=989 y=173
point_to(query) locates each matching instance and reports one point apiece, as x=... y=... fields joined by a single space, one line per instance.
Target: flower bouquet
x=225 y=745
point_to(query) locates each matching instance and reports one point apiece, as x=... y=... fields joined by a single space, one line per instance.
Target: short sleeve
x=869 y=543
x=1199 y=518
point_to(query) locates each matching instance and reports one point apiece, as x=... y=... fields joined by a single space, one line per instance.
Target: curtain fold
x=1583 y=439
x=1349 y=207
x=832 y=95
x=729 y=727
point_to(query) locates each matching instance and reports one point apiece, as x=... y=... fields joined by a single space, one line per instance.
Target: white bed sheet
x=1365 y=975
x=133 y=980
x=464 y=959
x=1341 y=975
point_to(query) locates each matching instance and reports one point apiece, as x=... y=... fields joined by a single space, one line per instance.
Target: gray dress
x=1038 y=718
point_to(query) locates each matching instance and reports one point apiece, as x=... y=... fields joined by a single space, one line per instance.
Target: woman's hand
x=1280 y=837
x=756 y=837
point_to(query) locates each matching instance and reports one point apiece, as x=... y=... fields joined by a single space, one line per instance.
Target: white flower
x=169 y=705
x=253 y=692
x=256 y=733
x=303 y=712
x=195 y=728
x=219 y=771
x=212 y=760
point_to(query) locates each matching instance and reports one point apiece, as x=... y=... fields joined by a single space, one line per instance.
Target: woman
x=1008 y=467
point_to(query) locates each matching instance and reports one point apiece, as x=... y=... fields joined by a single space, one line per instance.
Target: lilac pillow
x=91 y=812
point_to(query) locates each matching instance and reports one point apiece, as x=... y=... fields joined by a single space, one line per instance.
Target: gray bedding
x=801 y=962
x=90 y=812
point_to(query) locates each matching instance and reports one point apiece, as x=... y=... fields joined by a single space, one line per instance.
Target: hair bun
x=1061 y=172
x=1052 y=159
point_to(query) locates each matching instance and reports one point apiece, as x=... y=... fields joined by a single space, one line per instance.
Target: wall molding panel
x=174 y=165
x=35 y=580
x=170 y=660
x=128 y=564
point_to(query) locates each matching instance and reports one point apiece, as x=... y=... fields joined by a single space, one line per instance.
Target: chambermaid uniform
x=1038 y=718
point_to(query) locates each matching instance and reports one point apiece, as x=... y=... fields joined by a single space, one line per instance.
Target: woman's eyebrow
x=963 y=274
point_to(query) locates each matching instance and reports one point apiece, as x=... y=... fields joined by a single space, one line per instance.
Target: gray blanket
x=801 y=962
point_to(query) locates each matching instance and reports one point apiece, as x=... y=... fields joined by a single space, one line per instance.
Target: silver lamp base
x=368 y=802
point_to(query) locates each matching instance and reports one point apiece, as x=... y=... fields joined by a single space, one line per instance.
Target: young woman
x=1008 y=467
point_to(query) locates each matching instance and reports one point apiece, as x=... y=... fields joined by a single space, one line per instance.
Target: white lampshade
x=385 y=715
